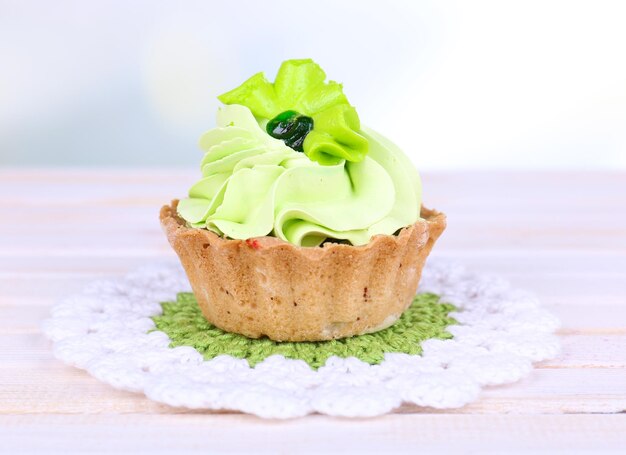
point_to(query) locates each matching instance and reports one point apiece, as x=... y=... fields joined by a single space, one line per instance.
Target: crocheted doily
x=426 y=318
x=108 y=330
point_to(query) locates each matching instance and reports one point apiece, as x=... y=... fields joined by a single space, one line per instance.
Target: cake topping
x=255 y=183
x=300 y=87
x=291 y=127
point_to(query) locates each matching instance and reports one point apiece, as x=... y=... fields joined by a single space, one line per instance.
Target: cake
x=305 y=225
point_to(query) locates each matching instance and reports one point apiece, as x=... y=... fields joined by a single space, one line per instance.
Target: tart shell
x=268 y=287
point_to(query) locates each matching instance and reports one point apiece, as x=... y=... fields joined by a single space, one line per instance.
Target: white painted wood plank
x=16 y=289
x=107 y=264
x=64 y=390
x=316 y=434
x=38 y=245
x=588 y=319
x=22 y=319
x=591 y=351
x=596 y=289
x=88 y=175
x=604 y=290
x=574 y=382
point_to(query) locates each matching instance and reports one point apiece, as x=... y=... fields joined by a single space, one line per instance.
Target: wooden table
x=561 y=235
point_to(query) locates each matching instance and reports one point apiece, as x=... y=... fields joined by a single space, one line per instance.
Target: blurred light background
x=459 y=85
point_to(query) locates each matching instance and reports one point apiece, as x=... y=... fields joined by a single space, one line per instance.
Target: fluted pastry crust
x=268 y=287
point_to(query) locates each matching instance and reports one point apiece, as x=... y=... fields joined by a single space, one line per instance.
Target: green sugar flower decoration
x=427 y=318
x=304 y=111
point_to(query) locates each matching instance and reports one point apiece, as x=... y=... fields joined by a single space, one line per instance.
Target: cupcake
x=305 y=225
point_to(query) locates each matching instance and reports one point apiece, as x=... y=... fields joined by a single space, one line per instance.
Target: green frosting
x=427 y=318
x=254 y=185
x=300 y=86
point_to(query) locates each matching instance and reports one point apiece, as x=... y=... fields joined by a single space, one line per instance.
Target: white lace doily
x=500 y=333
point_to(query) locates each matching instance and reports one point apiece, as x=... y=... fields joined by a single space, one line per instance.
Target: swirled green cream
x=352 y=185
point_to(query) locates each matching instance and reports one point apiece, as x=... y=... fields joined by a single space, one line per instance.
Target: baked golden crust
x=268 y=287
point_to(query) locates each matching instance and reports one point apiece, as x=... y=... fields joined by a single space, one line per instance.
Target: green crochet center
x=427 y=318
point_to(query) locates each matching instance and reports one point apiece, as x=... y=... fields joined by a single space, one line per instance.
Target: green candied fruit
x=300 y=86
x=291 y=127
